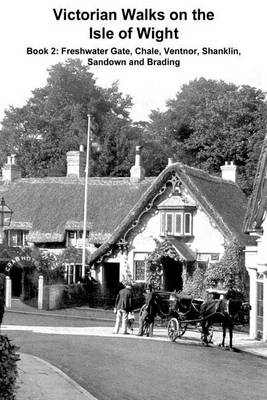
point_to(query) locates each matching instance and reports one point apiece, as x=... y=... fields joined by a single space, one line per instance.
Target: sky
x=240 y=24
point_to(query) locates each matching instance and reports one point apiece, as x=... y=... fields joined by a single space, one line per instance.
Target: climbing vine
x=194 y=283
x=154 y=262
x=127 y=278
x=230 y=271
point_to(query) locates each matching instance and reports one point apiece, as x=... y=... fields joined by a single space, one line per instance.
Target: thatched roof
x=258 y=201
x=222 y=200
x=47 y=207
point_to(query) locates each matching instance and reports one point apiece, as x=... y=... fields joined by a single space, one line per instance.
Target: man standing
x=123 y=305
x=149 y=311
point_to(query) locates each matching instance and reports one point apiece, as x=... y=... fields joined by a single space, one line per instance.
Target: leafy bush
x=74 y=295
x=230 y=272
x=8 y=368
x=52 y=268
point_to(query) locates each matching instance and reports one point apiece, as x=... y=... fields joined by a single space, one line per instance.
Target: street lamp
x=85 y=196
x=5 y=218
x=96 y=148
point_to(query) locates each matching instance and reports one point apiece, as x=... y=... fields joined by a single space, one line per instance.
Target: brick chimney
x=11 y=171
x=229 y=171
x=137 y=172
x=76 y=163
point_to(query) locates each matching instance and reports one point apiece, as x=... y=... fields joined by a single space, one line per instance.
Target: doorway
x=111 y=281
x=172 y=274
x=16 y=279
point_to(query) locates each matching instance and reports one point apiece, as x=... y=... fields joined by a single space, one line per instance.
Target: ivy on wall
x=154 y=262
x=127 y=278
x=193 y=285
x=230 y=271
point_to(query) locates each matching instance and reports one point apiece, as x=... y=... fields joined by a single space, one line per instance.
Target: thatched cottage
x=185 y=213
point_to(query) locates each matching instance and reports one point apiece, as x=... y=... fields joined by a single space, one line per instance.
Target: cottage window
x=176 y=223
x=140 y=264
x=74 y=237
x=169 y=224
x=162 y=224
x=17 y=238
x=140 y=270
x=187 y=223
x=71 y=238
x=81 y=234
x=72 y=273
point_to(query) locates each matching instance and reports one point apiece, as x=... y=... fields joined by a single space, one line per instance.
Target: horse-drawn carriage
x=184 y=314
x=188 y=313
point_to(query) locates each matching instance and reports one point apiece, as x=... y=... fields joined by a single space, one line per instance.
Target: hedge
x=8 y=368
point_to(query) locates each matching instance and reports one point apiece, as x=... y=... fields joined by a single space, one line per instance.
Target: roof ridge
x=209 y=204
x=76 y=180
x=203 y=173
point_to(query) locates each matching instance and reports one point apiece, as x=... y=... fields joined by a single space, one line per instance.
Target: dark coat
x=152 y=304
x=124 y=300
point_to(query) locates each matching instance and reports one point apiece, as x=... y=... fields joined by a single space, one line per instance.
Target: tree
x=119 y=138
x=210 y=122
x=54 y=120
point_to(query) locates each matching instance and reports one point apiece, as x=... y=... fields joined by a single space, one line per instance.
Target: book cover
x=161 y=107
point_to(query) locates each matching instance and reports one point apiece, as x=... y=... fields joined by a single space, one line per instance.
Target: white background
x=31 y=23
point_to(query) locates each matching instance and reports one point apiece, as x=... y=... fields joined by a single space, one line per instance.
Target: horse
x=225 y=311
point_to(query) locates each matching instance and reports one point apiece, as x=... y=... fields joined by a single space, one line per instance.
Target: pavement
x=39 y=380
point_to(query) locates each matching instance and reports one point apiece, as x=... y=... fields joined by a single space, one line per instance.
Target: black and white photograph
x=133 y=167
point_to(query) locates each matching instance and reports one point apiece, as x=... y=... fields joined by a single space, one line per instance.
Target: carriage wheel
x=173 y=329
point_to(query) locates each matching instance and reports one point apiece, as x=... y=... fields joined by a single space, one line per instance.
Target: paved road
x=126 y=368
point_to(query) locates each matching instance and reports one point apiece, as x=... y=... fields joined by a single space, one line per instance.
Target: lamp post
x=96 y=149
x=5 y=218
x=86 y=195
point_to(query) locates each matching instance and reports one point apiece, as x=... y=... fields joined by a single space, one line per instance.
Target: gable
x=221 y=200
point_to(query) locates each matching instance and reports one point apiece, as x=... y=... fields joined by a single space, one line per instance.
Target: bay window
x=176 y=222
